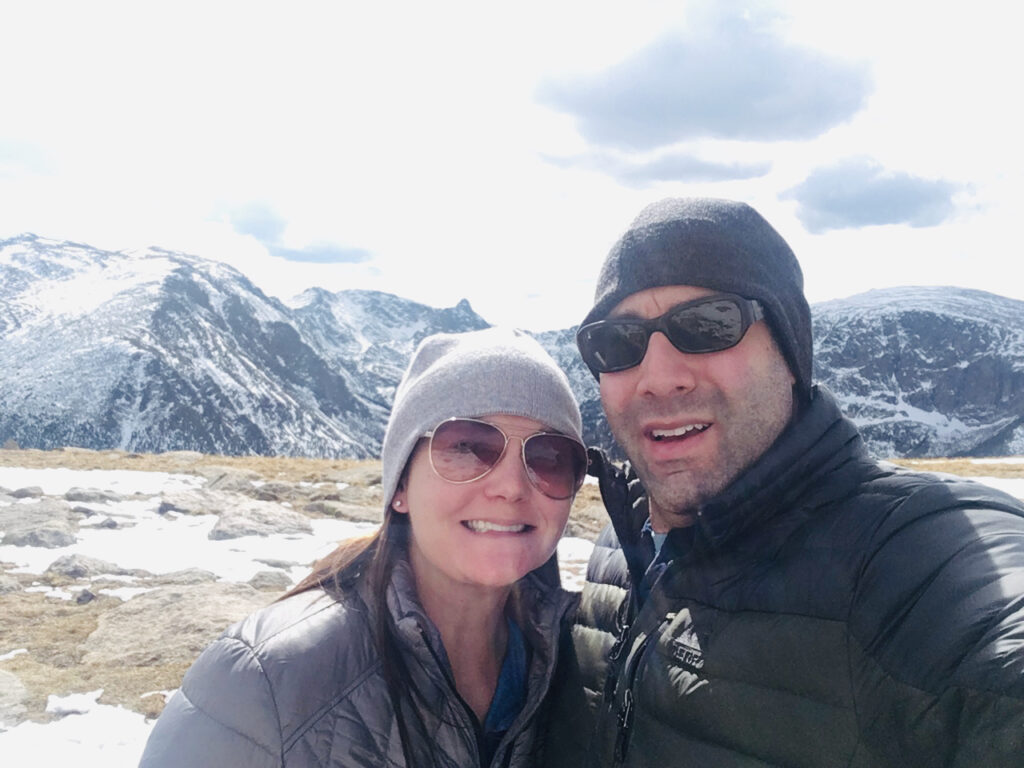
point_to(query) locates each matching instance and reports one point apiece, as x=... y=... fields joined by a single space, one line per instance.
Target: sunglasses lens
x=707 y=327
x=463 y=450
x=613 y=345
x=700 y=326
x=555 y=464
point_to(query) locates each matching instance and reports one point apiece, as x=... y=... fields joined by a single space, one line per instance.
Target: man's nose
x=664 y=369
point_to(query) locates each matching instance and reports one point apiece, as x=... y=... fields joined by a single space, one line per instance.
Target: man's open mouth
x=678 y=433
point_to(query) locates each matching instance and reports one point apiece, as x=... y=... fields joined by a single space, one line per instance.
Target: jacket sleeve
x=223 y=716
x=939 y=620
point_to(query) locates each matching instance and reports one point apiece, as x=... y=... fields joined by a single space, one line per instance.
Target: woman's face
x=490 y=532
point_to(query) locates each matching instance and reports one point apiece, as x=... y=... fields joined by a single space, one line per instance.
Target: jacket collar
x=788 y=474
x=819 y=440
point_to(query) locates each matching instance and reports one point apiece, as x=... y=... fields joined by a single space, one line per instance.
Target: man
x=768 y=594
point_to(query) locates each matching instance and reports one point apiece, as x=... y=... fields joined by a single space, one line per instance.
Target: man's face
x=691 y=423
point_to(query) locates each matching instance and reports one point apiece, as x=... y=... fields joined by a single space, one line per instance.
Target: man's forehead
x=652 y=302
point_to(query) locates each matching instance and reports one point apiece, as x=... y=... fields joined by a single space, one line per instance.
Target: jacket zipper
x=624 y=715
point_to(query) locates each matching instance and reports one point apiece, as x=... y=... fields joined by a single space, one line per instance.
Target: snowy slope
x=927 y=371
x=156 y=351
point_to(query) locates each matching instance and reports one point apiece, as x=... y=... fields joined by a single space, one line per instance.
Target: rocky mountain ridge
x=156 y=351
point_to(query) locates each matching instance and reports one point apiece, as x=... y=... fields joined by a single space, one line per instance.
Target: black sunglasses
x=464 y=450
x=708 y=324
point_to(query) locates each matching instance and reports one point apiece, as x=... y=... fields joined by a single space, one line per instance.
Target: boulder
x=197 y=501
x=259 y=518
x=277 y=490
x=9 y=584
x=344 y=511
x=84 y=567
x=43 y=523
x=228 y=479
x=370 y=496
x=51 y=534
x=271 y=581
x=91 y=495
x=169 y=625
x=31 y=492
x=12 y=695
x=185 y=577
x=359 y=475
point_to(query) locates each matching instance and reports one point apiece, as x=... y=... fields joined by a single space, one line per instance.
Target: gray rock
x=197 y=501
x=359 y=475
x=344 y=511
x=271 y=581
x=31 y=492
x=85 y=596
x=43 y=523
x=185 y=577
x=371 y=496
x=91 y=495
x=52 y=534
x=9 y=584
x=227 y=479
x=32 y=512
x=259 y=518
x=83 y=567
x=12 y=695
x=326 y=492
x=169 y=624
x=278 y=491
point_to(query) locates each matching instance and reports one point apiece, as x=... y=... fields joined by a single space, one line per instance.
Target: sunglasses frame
x=530 y=474
x=751 y=312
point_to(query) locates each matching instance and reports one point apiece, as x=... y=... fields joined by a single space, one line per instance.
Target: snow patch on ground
x=87 y=733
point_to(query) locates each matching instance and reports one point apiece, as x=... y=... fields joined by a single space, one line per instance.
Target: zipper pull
x=612 y=675
x=625 y=723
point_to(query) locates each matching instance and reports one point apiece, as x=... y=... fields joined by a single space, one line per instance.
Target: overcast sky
x=495 y=152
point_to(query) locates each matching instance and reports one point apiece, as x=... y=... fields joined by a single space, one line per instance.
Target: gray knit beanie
x=497 y=370
x=718 y=244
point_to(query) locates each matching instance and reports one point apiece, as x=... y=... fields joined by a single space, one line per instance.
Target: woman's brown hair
x=373 y=557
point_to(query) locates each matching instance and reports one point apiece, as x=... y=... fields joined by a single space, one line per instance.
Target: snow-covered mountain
x=154 y=350
x=931 y=371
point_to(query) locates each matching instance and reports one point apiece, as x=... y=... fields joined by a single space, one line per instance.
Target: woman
x=432 y=642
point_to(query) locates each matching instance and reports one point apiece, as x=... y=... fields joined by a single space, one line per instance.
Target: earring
x=398 y=503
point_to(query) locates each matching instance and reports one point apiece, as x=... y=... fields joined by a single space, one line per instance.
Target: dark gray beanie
x=497 y=370
x=718 y=244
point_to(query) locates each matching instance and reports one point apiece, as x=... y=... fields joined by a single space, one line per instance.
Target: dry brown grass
x=964 y=467
x=283 y=468
x=54 y=631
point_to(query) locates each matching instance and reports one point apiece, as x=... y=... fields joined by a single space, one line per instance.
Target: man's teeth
x=661 y=434
x=482 y=526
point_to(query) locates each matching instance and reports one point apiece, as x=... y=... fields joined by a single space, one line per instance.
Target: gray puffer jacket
x=299 y=684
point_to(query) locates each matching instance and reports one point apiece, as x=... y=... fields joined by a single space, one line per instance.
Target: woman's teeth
x=482 y=526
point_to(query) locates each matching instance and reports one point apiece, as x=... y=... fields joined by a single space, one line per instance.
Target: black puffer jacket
x=299 y=684
x=825 y=611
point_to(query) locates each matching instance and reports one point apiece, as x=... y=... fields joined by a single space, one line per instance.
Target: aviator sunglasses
x=708 y=324
x=463 y=450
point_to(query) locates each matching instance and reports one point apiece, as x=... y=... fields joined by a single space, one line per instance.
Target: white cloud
x=411 y=132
